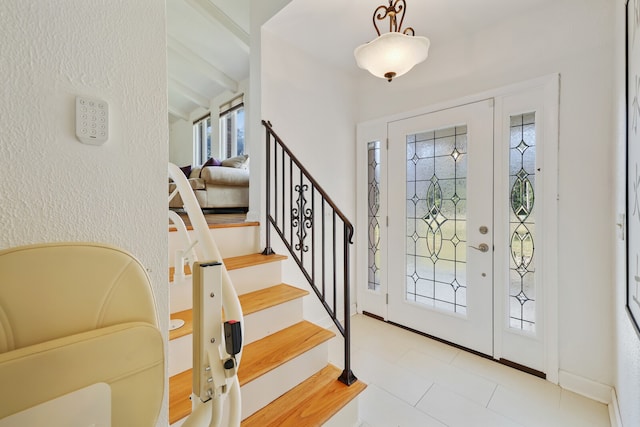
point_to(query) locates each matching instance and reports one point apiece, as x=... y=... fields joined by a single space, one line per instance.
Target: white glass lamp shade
x=392 y=54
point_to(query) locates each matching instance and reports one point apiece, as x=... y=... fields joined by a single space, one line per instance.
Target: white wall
x=574 y=39
x=312 y=108
x=53 y=187
x=261 y=12
x=181 y=142
x=627 y=349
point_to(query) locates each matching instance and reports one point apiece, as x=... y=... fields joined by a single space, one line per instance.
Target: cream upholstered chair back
x=77 y=314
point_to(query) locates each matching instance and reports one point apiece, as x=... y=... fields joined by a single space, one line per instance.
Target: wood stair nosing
x=180 y=387
x=311 y=403
x=258 y=358
x=243 y=261
x=251 y=302
x=262 y=299
x=237 y=262
x=276 y=349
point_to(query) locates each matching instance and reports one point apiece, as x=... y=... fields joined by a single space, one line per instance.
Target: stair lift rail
x=214 y=377
x=315 y=231
x=189 y=252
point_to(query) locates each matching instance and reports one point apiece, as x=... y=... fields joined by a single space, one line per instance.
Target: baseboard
x=585 y=387
x=614 y=410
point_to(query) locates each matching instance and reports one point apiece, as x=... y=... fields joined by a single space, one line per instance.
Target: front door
x=461 y=213
x=440 y=234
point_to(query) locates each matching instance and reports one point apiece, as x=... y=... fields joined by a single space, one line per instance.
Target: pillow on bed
x=238 y=162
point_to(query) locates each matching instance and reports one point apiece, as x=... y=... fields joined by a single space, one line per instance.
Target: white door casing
x=540 y=96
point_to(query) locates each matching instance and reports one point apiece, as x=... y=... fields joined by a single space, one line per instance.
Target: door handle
x=482 y=247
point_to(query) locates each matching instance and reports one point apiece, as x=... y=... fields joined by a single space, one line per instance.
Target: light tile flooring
x=416 y=381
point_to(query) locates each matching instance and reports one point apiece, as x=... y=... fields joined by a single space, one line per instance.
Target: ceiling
x=208 y=40
x=207 y=52
x=322 y=27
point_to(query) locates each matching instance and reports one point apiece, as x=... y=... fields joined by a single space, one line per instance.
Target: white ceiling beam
x=217 y=16
x=178 y=113
x=188 y=93
x=202 y=65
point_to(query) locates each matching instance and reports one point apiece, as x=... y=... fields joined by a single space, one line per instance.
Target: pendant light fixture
x=394 y=53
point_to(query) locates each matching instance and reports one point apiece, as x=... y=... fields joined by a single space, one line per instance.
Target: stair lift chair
x=75 y=316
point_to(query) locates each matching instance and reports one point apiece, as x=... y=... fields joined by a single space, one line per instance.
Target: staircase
x=284 y=374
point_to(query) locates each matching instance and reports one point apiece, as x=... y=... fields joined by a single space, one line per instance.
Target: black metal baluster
x=305 y=218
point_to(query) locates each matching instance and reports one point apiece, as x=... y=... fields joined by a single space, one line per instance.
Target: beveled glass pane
x=423 y=149
x=441 y=133
x=436 y=225
x=445 y=146
x=373 y=178
x=522 y=170
x=424 y=136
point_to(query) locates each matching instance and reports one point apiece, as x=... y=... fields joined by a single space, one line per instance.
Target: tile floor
x=415 y=381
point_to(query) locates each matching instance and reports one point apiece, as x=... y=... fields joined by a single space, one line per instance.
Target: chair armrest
x=127 y=356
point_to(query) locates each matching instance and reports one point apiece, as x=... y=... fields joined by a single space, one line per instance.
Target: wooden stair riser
x=180 y=295
x=256 y=277
x=320 y=400
x=347 y=416
x=233 y=241
x=271 y=320
x=180 y=355
x=256 y=326
x=268 y=387
x=264 y=382
x=244 y=280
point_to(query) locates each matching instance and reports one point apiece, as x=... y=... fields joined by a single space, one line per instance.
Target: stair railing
x=315 y=231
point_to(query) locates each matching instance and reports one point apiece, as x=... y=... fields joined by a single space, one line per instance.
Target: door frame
x=548 y=87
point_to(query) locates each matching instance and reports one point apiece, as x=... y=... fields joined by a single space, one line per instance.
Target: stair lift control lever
x=233 y=337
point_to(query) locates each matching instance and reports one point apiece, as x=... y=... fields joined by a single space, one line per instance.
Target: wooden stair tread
x=186 y=329
x=242 y=261
x=237 y=262
x=180 y=386
x=222 y=225
x=172 y=272
x=268 y=353
x=269 y=297
x=251 y=302
x=258 y=358
x=311 y=403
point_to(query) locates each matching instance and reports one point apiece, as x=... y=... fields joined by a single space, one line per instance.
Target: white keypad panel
x=92 y=120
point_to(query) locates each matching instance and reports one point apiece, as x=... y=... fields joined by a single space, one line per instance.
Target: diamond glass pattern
x=522 y=291
x=373 y=150
x=436 y=189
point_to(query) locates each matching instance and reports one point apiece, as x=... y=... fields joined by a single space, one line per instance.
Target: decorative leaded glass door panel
x=441 y=224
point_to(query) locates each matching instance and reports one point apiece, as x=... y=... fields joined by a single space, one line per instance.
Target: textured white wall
x=53 y=187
